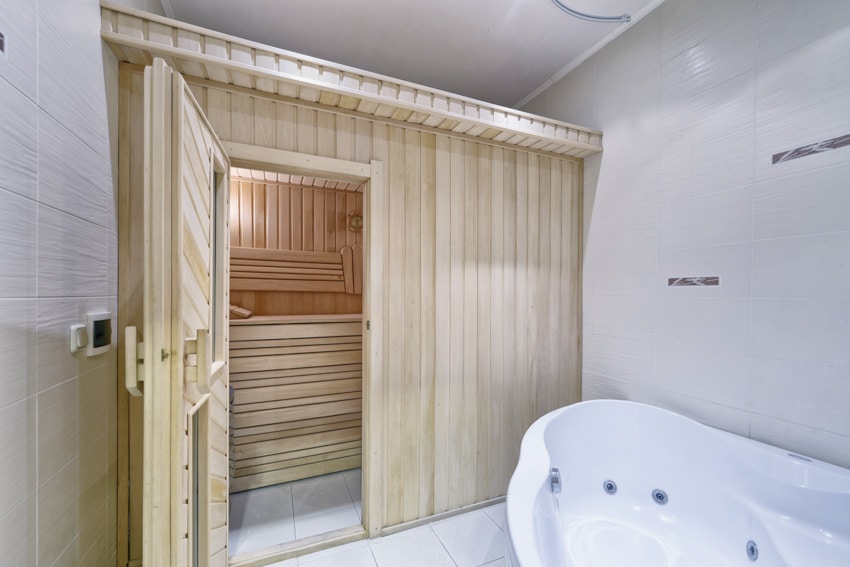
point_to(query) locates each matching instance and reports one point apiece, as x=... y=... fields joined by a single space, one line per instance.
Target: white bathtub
x=727 y=497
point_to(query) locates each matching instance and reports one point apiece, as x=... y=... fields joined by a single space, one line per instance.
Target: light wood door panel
x=175 y=246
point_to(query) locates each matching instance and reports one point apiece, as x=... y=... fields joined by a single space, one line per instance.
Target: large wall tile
x=70 y=80
x=783 y=26
x=18 y=473
x=731 y=262
x=71 y=256
x=624 y=357
x=812 y=331
x=56 y=364
x=58 y=506
x=17 y=246
x=812 y=202
x=806 y=267
x=72 y=177
x=809 y=441
x=715 y=219
x=801 y=393
x=58 y=428
x=801 y=99
x=18 y=533
x=717 y=165
x=18 y=142
x=17 y=350
x=687 y=23
x=19 y=67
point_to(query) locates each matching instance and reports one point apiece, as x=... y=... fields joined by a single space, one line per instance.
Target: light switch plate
x=79 y=338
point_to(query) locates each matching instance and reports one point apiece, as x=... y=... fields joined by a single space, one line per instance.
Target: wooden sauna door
x=183 y=337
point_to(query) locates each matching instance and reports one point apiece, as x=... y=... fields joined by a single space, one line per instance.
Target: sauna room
x=296 y=288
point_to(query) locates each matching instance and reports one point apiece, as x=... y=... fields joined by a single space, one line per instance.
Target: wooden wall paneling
x=272 y=221
x=395 y=349
x=456 y=346
x=520 y=408
x=374 y=386
x=284 y=216
x=483 y=364
x=427 y=319
x=442 y=319
x=308 y=221
x=410 y=434
x=258 y=196
x=518 y=250
x=469 y=474
x=286 y=126
x=241 y=118
x=553 y=300
x=306 y=128
x=572 y=209
x=532 y=368
x=498 y=346
x=544 y=371
x=327 y=136
x=264 y=129
x=509 y=311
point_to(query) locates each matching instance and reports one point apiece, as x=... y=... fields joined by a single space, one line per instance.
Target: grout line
x=443 y=545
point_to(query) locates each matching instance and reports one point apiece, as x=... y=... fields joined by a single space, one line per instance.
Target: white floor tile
x=497 y=514
x=322 y=523
x=346 y=556
x=339 y=550
x=260 y=518
x=419 y=547
x=354 y=480
x=472 y=539
x=320 y=495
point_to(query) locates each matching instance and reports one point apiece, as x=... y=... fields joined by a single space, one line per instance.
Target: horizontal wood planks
x=296 y=402
x=479 y=316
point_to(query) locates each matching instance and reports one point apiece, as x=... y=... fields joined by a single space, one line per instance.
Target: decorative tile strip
x=816 y=148
x=693 y=281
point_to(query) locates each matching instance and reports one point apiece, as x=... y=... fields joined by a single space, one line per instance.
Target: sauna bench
x=296 y=389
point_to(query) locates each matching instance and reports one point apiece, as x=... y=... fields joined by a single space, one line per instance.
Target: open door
x=175 y=342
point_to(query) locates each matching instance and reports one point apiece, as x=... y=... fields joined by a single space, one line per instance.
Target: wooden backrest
x=259 y=269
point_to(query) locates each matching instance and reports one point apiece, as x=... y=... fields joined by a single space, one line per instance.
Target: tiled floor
x=474 y=539
x=281 y=513
x=278 y=514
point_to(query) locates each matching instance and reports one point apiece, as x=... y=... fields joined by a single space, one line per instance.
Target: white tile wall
x=58 y=260
x=718 y=88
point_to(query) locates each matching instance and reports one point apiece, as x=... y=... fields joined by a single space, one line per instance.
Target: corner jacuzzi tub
x=639 y=486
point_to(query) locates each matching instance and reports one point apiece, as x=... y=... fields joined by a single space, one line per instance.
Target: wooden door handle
x=133 y=365
x=201 y=347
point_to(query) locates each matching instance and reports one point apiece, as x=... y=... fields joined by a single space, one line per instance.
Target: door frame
x=374 y=194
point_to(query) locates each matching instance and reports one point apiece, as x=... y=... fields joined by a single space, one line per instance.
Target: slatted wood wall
x=296 y=398
x=277 y=216
x=480 y=314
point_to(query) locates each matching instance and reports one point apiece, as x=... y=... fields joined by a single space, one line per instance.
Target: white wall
x=57 y=261
x=693 y=101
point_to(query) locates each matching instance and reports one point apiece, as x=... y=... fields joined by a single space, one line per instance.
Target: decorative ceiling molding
x=137 y=37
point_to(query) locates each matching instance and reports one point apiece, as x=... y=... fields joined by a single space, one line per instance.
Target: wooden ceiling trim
x=137 y=37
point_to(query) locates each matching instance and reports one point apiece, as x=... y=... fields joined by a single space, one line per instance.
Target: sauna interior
x=296 y=352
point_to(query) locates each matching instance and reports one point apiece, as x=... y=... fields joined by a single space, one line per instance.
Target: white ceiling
x=499 y=51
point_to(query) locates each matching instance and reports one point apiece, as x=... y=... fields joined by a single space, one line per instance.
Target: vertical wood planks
x=479 y=264
x=427 y=317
